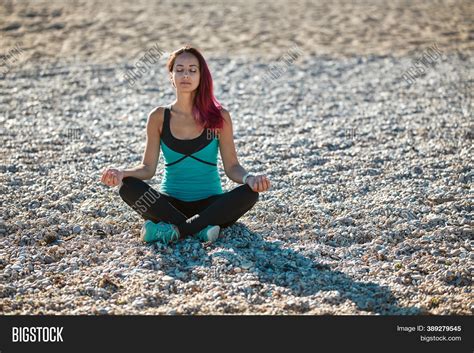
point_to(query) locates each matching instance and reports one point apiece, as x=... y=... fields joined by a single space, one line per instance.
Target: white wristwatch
x=244 y=179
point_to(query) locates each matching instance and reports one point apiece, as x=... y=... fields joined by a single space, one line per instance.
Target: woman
x=190 y=200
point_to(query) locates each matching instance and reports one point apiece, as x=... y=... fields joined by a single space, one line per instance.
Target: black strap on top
x=167 y=126
x=188 y=155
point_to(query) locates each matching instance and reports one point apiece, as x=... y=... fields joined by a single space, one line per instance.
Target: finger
x=257 y=184
x=264 y=184
x=267 y=183
x=253 y=185
x=260 y=184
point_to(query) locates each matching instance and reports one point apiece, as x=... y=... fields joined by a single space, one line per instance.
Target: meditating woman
x=190 y=200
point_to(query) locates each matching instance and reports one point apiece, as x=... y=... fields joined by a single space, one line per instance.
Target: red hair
x=206 y=108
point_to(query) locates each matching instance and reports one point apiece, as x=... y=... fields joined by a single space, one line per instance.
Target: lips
x=185 y=83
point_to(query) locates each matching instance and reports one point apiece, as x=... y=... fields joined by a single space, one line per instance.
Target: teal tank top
x=190 y=172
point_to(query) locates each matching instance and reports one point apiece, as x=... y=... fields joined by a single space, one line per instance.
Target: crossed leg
x=189 y=216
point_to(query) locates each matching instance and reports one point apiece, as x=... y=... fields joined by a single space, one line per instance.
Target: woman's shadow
x=274 y=264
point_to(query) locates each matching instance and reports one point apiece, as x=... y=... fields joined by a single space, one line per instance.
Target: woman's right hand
x=112 y=176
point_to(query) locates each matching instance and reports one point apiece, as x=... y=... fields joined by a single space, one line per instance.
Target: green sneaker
x=210 y=233
x=161 y=231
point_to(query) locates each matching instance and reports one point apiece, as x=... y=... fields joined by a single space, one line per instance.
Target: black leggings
x=189 y=216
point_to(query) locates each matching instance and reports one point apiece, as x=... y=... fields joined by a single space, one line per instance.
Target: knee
x=129 y=180
x=126 y=187
x=252 y=196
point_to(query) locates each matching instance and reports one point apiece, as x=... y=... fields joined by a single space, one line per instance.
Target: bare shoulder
x=226 y=115
x=156 y=117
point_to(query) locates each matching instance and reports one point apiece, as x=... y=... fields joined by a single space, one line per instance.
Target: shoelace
x=172 y=237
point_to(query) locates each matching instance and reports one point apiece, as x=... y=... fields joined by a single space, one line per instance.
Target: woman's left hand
x=258 y=183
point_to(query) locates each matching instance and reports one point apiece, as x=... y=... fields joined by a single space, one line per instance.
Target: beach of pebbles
x=370 y=209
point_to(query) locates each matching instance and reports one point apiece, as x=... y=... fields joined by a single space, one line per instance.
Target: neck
x=184 y=103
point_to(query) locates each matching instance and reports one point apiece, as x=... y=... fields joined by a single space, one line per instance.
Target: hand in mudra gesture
x=112 y=176
x=258 y=183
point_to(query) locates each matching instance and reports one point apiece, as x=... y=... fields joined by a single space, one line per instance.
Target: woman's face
x=186 y=73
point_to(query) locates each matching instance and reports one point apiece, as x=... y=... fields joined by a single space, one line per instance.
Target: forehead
x=186 y=59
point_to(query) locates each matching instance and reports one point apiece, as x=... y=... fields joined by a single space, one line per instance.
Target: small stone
x=167 y=278
x=139 y=302
x=344 y=221
x=12 y=26
x=417 y=170
x=455 y=252
x=246 y=265
x=48 y=259
x=50 y=238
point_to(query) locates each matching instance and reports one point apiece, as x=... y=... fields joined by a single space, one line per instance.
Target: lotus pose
x=190 y=200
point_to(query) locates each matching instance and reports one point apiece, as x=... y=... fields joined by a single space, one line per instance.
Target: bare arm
x=232 y=167
x=147 y=168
